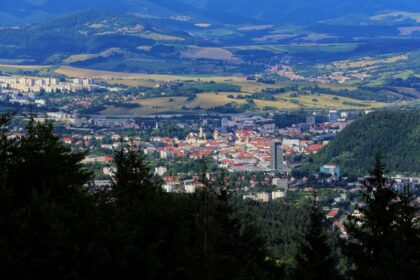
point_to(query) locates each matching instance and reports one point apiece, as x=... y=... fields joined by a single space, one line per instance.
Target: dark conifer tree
x=40 y=162
x=132 y=177
x=383 y=237
x=45 y=214
x=314 y=258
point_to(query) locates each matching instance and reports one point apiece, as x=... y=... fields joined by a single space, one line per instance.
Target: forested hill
x=395 y=134
x=272 y=11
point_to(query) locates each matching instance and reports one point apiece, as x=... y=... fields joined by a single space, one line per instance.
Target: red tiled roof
x=333 y=213
x=314 y=148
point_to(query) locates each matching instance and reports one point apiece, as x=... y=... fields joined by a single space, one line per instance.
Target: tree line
x=52 y=227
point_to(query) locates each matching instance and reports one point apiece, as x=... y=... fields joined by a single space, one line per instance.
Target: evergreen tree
x=132 y=177
x=40 y=162
x=314 y=258
x=45 y=212
x=383 y=238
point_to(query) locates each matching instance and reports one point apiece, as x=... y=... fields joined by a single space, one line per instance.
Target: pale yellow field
x=337 y=87
x=325 y=101
x=278 y=104
x=96 y=26
x=408 y=30
x=204 y=100
x=195 y=52
x=203 y=25
x=160 y=37
x=174 y=104
x=150 y=80
x=415 y=16
x=27 y=67
x=318 y=36
x=79 y=57
x=82 y=57
x=210 y=100
x=367 y=61
x=254 y=27
x=109 y=75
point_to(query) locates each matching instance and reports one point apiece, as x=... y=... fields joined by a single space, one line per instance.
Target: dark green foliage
x=132 y=176
x=282 y=226
x=384 y=240
x=210 y=86
x=43 y=207
x=396 y=134
x=285 y=120
x=40 y=163
x=52 y=228
x=314 y=258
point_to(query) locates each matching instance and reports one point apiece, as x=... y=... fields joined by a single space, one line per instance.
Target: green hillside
x=395 y=134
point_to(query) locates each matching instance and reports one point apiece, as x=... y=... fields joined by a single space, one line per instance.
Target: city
x=258 y=159
x=209 y=139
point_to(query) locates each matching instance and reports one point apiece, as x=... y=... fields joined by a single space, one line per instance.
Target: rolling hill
x=394 y=134
x=272 y=11
x=24 y=11
x=203 y=36
x=86 y=32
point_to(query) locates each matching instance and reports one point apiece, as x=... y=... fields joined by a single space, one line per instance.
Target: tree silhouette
x=314 y=258
x=383 y=236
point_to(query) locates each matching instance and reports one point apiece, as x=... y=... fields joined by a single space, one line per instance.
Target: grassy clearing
x=195 y=52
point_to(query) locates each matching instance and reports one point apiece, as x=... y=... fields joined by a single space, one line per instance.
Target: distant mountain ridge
x=394 y=134
x=302 y=11
x=271 y=11
x=85 y=32
x=23 y=11
x=202 y=36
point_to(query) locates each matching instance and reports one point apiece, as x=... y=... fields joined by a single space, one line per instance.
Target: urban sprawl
x=259 y=158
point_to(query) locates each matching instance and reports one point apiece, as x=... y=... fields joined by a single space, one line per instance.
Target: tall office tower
x=333 y=116
x=276 y=155
x=311 y=119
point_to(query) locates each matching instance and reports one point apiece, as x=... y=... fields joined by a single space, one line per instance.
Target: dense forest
x=52 y=227
x=395 y=134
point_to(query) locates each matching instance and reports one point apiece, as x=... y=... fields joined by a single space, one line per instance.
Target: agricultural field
x=201 y=93
x=27 y=70
x=150 y=80
x=11 y=67
x=110 y=75
x=195 y=52
x=210 y=100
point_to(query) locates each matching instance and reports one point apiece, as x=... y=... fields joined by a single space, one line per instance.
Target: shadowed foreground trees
x=314 y=259
x=384 y=237
x=52 y=228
